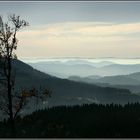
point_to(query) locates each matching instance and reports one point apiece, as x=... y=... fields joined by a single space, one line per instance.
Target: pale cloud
x=82 y=28
x=71 y=38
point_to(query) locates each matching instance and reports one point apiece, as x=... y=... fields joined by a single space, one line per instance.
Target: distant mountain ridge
x=130 y=81
x=69 y=92
x=84 y=68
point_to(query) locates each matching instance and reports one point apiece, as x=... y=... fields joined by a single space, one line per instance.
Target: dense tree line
x=94 y=120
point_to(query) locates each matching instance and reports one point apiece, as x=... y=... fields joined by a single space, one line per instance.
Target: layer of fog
x=83 y=67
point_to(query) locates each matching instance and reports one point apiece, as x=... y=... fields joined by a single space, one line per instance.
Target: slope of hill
x=69 y=92
x=119 y=80
x=131 y=81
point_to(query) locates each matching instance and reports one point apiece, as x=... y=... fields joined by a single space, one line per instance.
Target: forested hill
x=69 y=92
x=86 y=121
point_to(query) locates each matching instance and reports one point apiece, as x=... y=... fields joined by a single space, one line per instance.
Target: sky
x=77 y=29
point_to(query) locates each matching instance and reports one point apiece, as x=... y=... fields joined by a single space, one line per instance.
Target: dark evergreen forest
x=85 y=121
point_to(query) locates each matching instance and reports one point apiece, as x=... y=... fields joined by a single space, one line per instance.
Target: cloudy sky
x=77 y=29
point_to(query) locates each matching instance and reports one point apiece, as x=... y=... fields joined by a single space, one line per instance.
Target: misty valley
x=108 y=97
x=104 y=72
x=69 y=69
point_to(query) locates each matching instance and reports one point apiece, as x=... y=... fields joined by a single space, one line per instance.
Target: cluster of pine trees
x=85 y=121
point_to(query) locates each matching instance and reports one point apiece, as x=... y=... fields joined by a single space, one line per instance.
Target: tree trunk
x=9 y=87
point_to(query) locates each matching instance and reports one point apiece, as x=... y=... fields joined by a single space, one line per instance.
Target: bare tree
x=8 y=44
x=10 y=102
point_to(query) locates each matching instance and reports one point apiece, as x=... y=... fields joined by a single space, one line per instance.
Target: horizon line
x=77 y=57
